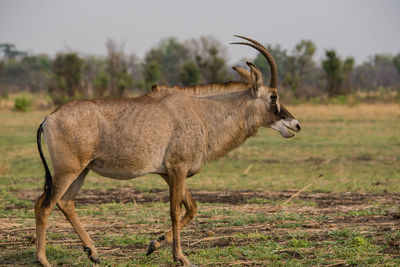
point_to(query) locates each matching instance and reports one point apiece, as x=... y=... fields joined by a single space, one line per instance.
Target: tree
x=298 y=65
x=304 y=52
x=216 y=66
x=37 y=71
x=333 y=72
x=348 y=66
x=67 y=79
x=379 y=71
x=151 y=73
x=210 y=57
x=114 y=64
x=281 y=58
x=396 y=62
x=120 y=68
x=124 y=81
x=170 y=55
x=100 y=84
x=190 y=74
x=14 y=75
x=8 y=51
x=1 y=77
x=94 y=70
x=293 y=70
x=337 y=73
x=26 y=72
x=384 y=71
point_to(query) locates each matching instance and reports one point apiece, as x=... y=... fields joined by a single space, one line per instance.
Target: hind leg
x=67 y=206
x=61 y=183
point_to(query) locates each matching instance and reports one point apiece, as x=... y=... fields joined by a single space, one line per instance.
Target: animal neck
x=230 y=119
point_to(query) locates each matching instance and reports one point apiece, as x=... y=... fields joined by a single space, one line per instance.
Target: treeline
x=202 y=60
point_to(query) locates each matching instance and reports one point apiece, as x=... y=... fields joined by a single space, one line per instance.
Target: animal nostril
x=274 y=97
x=298 y=127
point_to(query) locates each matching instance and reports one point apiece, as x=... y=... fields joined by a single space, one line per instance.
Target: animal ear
x=158 y=88
x=278 y=107
x=155 y=88
x=256 y=80
x=244 y=74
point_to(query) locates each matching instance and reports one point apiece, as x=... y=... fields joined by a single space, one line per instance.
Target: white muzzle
x=286 y=126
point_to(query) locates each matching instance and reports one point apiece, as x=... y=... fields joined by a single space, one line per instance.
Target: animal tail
x=49 y=180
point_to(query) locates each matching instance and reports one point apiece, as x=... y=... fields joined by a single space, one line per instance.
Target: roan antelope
x=169 y=132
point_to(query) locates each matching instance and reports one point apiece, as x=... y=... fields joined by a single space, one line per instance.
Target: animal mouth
x=286 y=128
x=287 y=132
x=291 y=130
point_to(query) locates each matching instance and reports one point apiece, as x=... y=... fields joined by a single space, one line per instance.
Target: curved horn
x=264 y=51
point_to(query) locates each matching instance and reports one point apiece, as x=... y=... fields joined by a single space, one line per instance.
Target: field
x=344 y=165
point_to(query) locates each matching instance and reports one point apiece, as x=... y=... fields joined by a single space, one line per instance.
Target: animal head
x=278 y=117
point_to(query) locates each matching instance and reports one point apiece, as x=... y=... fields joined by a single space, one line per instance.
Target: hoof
x=94 y=259
x=180 y=263
x=181 y=260
x=43 y=263
x=151 y=248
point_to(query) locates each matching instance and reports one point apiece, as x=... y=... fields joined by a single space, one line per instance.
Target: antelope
x=171 y=133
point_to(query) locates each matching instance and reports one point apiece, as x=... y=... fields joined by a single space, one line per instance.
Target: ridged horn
x=264 y=51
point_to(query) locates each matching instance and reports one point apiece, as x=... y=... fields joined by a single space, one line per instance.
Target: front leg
x=191 y=211
x=177 y=184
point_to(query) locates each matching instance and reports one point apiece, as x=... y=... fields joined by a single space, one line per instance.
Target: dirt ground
x=378 y=216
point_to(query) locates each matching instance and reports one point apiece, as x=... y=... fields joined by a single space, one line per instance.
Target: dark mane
x=206 y=89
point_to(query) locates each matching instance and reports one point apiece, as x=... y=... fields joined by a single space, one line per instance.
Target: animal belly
x=117 y=174
x=120 y=170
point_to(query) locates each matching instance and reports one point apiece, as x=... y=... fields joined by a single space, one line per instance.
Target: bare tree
x=210 y=56
x=93 y=67
x=118 y=65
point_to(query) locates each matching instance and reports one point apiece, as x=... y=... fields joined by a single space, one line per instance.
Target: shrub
x=22 y=103
x=338 y=100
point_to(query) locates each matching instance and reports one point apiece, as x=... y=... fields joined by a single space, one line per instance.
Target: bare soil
x=323 y=200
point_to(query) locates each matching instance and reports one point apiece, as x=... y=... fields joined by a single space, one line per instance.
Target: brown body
x=169 y=132
x=128 y=138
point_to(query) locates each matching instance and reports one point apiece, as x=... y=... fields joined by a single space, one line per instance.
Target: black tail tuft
x=49 y=180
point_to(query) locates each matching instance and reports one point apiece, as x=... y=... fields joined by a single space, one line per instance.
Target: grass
x=283 y=237
x=267 y=240
x=340 y=149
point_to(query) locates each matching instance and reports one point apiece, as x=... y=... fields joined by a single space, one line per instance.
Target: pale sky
x=358 y=28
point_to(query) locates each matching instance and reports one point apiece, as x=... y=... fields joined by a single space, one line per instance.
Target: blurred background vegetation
x=54 y=80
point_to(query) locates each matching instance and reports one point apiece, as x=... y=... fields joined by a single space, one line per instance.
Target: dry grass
x=38 y=101
x=358 y=112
